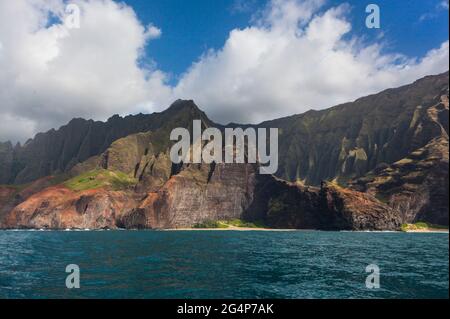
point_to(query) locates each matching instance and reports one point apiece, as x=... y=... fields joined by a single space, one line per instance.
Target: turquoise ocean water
x=223 y=264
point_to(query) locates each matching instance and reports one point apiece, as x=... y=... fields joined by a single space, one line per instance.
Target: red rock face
x=236 y=191
x=12 y=196
x=60 y=208
x=202 y=193
x=197 y=194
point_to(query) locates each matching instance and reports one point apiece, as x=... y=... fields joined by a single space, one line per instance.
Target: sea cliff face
x=197 y=194
x=282 y=204
x=370 y=165
x=60 y=208
x=205 y=193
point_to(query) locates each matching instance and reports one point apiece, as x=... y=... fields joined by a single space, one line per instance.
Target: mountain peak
x=187 y=110
x=180 y=105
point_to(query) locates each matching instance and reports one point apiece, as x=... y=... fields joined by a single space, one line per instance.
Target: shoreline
x=445 y=231
x=234 y=228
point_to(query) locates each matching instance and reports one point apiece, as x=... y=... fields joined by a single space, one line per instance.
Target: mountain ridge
x=57 y=151
x=81 y=139
x=371 y=164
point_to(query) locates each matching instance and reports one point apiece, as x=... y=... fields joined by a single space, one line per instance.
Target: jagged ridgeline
x=342 y=142
x=381 y=161
x=351 y=139
x=58 y=151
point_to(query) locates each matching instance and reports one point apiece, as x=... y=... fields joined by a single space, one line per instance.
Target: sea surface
x=223 y=264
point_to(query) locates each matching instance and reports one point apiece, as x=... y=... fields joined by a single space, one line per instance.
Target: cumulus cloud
x=293 y=56
x=153 y=32
x=50 y=73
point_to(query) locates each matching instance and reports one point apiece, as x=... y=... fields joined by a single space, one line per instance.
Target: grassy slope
x=100 y=178
x=422 y=226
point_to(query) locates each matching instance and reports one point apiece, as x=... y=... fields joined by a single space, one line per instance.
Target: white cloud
x=435 y=12
x=294 y=56
x=50 y=74
x=444 y=4
x=243 y=6
x=16 y=127
x=293 y=59
x=153 y=32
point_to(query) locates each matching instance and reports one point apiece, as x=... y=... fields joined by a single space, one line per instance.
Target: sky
x=240 y=61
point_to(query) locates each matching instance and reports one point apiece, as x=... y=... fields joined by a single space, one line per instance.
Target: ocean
x=223 y=264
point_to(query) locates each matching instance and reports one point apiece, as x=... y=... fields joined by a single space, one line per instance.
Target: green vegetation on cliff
x=100 y=178
x=422 y=226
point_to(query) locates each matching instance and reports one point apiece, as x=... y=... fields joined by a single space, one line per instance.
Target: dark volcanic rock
x=281 y=204
x=237 y=191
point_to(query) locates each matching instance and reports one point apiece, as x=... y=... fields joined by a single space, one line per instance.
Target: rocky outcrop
x=416 y=187
x=198 y=193
x=281 y=204
x=60 y=208
x=174 y=196
x=144 y=156
x=11 y=196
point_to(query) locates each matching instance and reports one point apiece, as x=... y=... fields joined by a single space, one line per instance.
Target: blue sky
x=410 y=27
x=190 y=28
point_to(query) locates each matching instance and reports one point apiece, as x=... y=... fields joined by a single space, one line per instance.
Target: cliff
x=372 y=164
x=203 y=193
x=417 y=185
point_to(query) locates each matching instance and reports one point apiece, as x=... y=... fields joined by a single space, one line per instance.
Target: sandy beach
x=234 y=228
x=427 y=231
